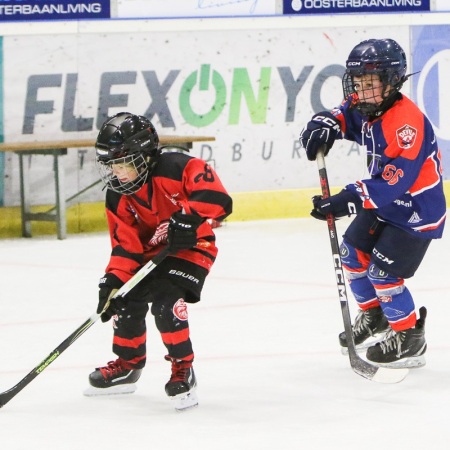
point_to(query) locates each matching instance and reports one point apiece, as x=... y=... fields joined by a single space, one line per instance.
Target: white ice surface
x=269 y=368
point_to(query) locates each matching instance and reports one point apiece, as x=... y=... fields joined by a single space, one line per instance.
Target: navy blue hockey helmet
x=382 y=57
x=125 y=139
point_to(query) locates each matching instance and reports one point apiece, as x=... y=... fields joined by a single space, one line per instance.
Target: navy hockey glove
x=108 y=285
x=343 y=204
x=182 y=231
x=323 y=129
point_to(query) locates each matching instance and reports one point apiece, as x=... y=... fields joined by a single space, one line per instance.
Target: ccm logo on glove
x=343 y=204
x=321 y=131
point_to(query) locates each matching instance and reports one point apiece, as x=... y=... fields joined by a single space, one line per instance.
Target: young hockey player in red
x=155 y=199
x=399 y=209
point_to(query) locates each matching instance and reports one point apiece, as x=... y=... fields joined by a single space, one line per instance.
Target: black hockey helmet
x=382 y=57
x=124 y=134
x=126 y=139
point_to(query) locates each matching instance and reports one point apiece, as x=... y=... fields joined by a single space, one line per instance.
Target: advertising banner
x=253 y=90
x=195 y=8
x=353 y=6
x=29 y=10
x=431 y=66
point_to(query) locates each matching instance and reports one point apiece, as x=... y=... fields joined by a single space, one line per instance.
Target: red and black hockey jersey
x=177 y=182
x=405 y=185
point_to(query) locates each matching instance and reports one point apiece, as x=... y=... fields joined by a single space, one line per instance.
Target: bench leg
x=61 y=222
x=24 y=197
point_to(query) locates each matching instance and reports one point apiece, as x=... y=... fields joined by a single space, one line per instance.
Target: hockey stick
x=6 y=396
x=359 y=365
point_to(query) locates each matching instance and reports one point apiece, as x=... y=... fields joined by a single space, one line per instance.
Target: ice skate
x=401 y=349
x=181 y=387
x=115 y=378
x=369 y=327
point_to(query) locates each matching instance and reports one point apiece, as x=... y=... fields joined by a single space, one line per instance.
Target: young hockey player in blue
x=399 y=209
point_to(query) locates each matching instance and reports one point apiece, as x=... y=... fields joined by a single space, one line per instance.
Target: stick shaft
x=358 y=365
x=332 y=234
x=6 y=396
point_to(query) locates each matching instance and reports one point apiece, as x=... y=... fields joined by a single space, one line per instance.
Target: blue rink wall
x=56 y=89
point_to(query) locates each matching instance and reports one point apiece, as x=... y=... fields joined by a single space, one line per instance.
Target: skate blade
x=414 y=362
x=185 y=401
x=366 y=344
x=92 y=391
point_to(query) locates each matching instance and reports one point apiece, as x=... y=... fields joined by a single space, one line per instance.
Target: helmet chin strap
x=373 y=110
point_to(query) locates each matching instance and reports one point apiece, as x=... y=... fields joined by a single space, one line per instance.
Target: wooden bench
x=57 y=149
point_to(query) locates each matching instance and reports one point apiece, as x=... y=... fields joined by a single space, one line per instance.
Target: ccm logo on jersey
x=406 y=136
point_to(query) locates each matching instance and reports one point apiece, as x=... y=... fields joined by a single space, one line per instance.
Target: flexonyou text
x=10 y=10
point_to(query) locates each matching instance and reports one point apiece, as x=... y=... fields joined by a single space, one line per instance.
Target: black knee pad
x=133 y=310
x=169 y=308
x=163 y=309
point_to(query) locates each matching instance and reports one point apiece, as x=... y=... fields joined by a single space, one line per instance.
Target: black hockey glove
x=182 y=231
x=108 y=285
x=323 y=129
x=343 y=204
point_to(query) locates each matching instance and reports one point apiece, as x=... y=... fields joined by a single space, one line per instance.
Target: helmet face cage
x=385 y=60
x=125 y=145
x=136 y=168
x=368 y=100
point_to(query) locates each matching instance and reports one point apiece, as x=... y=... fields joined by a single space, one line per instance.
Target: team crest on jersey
x=180 y=310
x=406 y=136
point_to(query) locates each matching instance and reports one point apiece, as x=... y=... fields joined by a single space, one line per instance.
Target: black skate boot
x=115 y=378
x=401 y=349
x=182 y=384
x=370 y=323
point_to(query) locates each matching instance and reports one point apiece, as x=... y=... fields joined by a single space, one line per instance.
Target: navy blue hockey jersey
x=405 y=185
